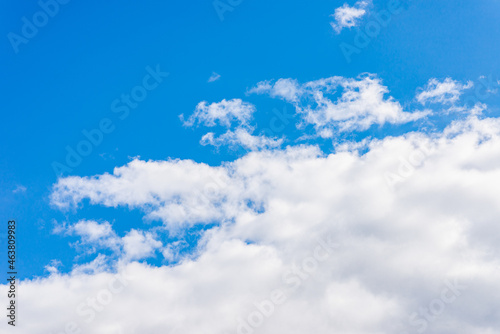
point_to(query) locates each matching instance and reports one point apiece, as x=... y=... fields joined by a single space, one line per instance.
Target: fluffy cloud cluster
x=230 y=114
x=340 y=104
x=347 y=16
x=304 y=242
x=331 y=105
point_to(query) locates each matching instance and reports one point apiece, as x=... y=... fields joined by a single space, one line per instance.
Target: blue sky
x=64 y=80
x=229 y=143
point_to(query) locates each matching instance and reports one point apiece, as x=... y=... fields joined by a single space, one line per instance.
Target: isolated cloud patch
x=92 y=231
x=288 y=89
x=241 y=137
x=340 y=104
x=19 y=189
x=447 y=91
x=347 y=16
x=220 y=113
x=214 y=77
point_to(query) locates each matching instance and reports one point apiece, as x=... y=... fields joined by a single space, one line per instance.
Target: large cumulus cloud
x=402 y=238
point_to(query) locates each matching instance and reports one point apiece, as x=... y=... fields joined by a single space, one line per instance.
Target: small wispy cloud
x=447 y=91
x=214 y=77
x=19 y=189
x=241 y=137
x=222 y=113
x=347 y=16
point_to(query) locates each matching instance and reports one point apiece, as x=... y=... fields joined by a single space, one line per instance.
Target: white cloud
x=177 y=191
x=230 y=114
x=288 y=89
x=332 y=105
x=398 y=249
x=91 y=230
x=93 y=235
x=135 y=245
x=214 y=77
x=139 y=245
x=53 y=266
x=171 y=251
x=19 y=189
x=241 y=137
x=340 y=104
x=347 y=16
x=98 y=265
x=447 y=91
x=222 y=113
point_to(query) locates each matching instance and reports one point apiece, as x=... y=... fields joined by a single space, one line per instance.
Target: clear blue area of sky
x=64 y=79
